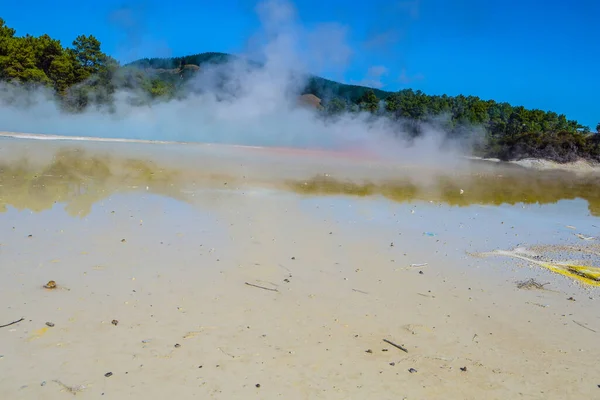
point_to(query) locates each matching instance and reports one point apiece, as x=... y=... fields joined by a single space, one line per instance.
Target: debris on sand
x=261 y=287
x=71 y=389
x=530 y=284
x=50 y=285
x=584 y=326
x=537 y=304
x=12 y=323
x=395 y=345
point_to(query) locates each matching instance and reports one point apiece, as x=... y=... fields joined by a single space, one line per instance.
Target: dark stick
x=261 y=287
x=583 y=326
x=360 y=291
x=395 y=345
x=12 y=323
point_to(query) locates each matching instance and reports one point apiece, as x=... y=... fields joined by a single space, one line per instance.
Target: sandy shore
x=224 y=283
x=580 y=166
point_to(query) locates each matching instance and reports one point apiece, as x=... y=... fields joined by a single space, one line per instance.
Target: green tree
x=90 y=59
x=392 y=103
x=159 y=88
x=335 y=106
x=18 y=61
x=368 y=101
x=62 y=72
x=94 y=74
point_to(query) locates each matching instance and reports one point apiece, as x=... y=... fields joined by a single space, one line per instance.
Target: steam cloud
x=257 y=106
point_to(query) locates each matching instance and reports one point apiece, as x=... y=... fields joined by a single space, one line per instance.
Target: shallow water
x=36 y=176
x=546 y=208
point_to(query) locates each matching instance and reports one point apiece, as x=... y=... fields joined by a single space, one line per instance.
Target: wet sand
x=240 y=276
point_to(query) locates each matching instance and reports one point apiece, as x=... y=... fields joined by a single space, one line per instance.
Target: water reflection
x=515 y=187
x=80 y=178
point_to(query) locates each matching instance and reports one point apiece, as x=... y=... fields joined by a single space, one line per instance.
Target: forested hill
x=320 y=87
x=82 y=76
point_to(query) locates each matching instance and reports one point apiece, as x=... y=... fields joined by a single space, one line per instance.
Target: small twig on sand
x=226 y=353
x=270 y=283
x=286 y=268
x=396 y=345
x=12 y=323
x=583 y=326
x=537 y=304
x=71 y=389
x=360 y=291
x=261 y=287
x=419 y=265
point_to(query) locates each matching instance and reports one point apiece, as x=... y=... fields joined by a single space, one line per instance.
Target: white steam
x=257 y=106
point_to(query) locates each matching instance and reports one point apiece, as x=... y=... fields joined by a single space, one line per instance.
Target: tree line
x=511 y=132
x=43 y=61
x=82 y=76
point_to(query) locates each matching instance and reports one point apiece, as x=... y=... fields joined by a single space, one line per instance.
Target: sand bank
x=229 y=281
x=579 y=166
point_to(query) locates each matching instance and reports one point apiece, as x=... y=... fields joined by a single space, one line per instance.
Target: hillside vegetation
x=82 y=76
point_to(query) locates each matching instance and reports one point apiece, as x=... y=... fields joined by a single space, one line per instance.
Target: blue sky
x=537 y=54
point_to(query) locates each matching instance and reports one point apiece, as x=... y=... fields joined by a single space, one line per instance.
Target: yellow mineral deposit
x=582 y=273
x=585 y=274
x=38 y=333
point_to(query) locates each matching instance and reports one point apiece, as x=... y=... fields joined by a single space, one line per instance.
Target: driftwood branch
x=12 y=323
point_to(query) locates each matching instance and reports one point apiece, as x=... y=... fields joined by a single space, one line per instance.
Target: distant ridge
x=317 y=86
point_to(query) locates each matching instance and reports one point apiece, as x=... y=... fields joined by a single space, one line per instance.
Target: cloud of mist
x=239 y=103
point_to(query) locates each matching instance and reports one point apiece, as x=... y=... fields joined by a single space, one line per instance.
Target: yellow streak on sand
x=585 y=274
x=38 y=333
x=582 y=273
